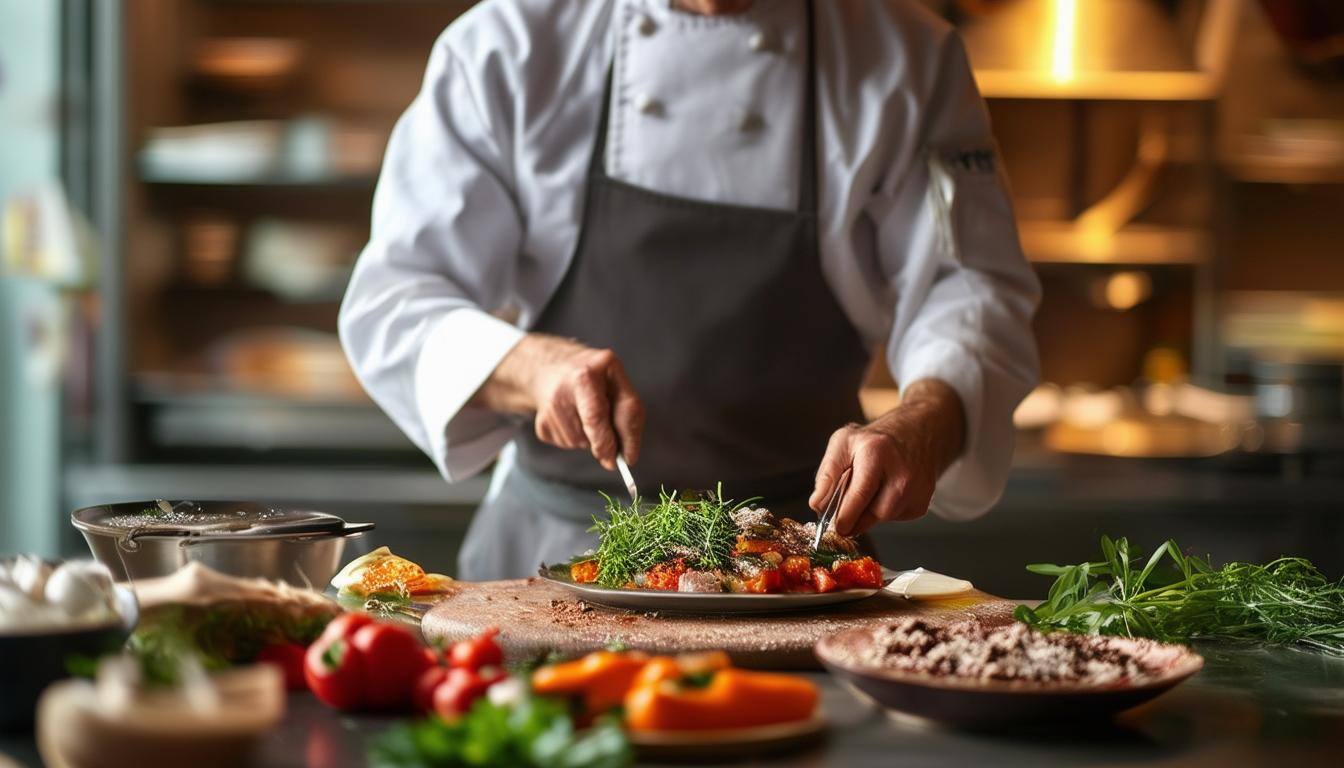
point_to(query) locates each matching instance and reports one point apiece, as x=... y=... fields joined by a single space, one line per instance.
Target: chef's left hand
x=896 y=459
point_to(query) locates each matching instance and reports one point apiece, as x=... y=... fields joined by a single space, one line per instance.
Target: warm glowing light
x=1126 y=290
x=1061 y=62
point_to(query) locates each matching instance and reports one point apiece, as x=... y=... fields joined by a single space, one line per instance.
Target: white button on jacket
x=478 y=207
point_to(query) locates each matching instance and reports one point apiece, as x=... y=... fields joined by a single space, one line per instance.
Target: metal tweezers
x=832 y=507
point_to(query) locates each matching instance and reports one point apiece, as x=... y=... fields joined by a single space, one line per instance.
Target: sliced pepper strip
x=733 y=698
x=600 y=678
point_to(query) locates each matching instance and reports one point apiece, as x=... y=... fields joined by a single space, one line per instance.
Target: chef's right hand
x=581 y=396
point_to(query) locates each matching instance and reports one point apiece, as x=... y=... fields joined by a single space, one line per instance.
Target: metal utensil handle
x=281 y=532
x=832 y=507
x=629 y=478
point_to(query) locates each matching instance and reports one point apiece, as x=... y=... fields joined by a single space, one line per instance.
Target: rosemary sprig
x=1175 y=597
x=632 y=540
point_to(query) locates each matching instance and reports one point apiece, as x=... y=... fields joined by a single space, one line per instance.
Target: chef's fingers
x=833 y=464
x=865 y=524
x=864 y=483
x=886 y=506
x=558 y=423
x=590 y=397
x=627 y=411
x=890 y=502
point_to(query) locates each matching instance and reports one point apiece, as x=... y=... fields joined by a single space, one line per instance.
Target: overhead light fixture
x=1066 y=40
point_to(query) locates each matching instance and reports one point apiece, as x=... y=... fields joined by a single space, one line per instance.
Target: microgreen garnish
x=632 y=540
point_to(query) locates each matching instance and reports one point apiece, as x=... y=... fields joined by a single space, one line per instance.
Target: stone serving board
x=537 y=617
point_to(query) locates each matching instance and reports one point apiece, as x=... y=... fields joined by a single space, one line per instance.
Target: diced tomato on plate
x=665 y=576
x=584 y=572
x=862 y=573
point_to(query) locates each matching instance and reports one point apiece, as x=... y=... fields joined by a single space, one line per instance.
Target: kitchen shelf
x=377 y=487
x=1281 y=169
x=259 y=422
x=360 y=183
x=235 y=289
x=1136 y=245
x=1190 y=86
x=464 y=3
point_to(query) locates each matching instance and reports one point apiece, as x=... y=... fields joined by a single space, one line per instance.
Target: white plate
x=705 y=602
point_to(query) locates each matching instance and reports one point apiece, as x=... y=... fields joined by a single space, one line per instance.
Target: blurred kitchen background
x=186 y=183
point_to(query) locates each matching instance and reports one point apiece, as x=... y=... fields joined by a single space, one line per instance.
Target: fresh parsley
x=534 y=732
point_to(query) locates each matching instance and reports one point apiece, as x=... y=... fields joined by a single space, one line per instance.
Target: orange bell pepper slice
x=601 y=678
x=732 y=698
x=661 y=668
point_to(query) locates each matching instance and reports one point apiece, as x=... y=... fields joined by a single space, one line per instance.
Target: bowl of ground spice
x=974 y=675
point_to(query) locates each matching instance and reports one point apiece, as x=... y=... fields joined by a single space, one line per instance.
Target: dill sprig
x=1176 y=597
x=633 y=540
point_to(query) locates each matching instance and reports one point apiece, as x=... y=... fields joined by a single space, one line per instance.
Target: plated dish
x=714 y=545
x=701 y=602
x=712 y=553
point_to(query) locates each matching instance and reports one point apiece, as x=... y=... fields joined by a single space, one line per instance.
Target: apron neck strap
x=807 y=158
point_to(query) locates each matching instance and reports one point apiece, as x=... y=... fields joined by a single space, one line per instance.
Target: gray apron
x=730 y=334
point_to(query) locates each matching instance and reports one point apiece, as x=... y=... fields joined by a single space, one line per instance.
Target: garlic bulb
x=81 y=589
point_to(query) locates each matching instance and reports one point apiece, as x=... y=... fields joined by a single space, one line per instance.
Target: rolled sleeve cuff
x=459 y=354
x=966 y=488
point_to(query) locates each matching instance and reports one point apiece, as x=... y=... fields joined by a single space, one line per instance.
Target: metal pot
x=144 y=539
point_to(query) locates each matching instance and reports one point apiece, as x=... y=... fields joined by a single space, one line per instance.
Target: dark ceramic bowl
x=30 y=661
x=996 y=704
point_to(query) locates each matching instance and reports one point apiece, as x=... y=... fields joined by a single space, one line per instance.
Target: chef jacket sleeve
x=965 y=293
x=442 y=254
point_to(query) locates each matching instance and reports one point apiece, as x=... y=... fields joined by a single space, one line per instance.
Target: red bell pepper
x=289 y=658
x=334 y=670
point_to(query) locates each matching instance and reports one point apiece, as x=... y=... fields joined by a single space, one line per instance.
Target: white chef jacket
x=479 y=205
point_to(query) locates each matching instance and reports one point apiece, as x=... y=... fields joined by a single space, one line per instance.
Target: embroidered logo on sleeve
x=973 y=161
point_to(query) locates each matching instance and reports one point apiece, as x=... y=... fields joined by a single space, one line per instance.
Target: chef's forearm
x=509 y=387
x=931 y=412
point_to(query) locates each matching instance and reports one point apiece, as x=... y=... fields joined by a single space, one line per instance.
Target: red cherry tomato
x=477 y=652
x=863 y=573
x=768 y=581
x=289 y=658
x=334 y=670
x=824 y=580
x=422 y=696
x=346 y=625
x=393 y=661
x=460 y=689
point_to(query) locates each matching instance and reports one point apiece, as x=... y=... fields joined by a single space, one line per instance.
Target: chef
x=675 y=230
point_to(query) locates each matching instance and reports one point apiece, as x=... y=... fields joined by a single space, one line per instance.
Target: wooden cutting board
x=537 y=617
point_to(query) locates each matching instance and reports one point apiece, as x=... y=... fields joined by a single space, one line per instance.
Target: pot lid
x=162 y=517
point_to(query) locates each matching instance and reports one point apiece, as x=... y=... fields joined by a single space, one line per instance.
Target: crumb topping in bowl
x=1014 y=652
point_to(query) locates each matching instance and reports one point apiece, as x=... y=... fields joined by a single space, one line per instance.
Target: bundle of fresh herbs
x=1175 y=597
x=632 y=540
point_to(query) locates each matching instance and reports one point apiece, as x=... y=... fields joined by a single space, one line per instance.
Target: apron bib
x=730 y=334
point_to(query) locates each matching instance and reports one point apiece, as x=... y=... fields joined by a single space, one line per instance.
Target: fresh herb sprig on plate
x=633 y=540
x=1175 y=597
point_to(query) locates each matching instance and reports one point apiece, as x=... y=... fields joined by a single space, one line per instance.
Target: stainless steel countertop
x=1249 y=707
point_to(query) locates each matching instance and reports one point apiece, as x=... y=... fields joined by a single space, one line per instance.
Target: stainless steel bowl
x=139 y=540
